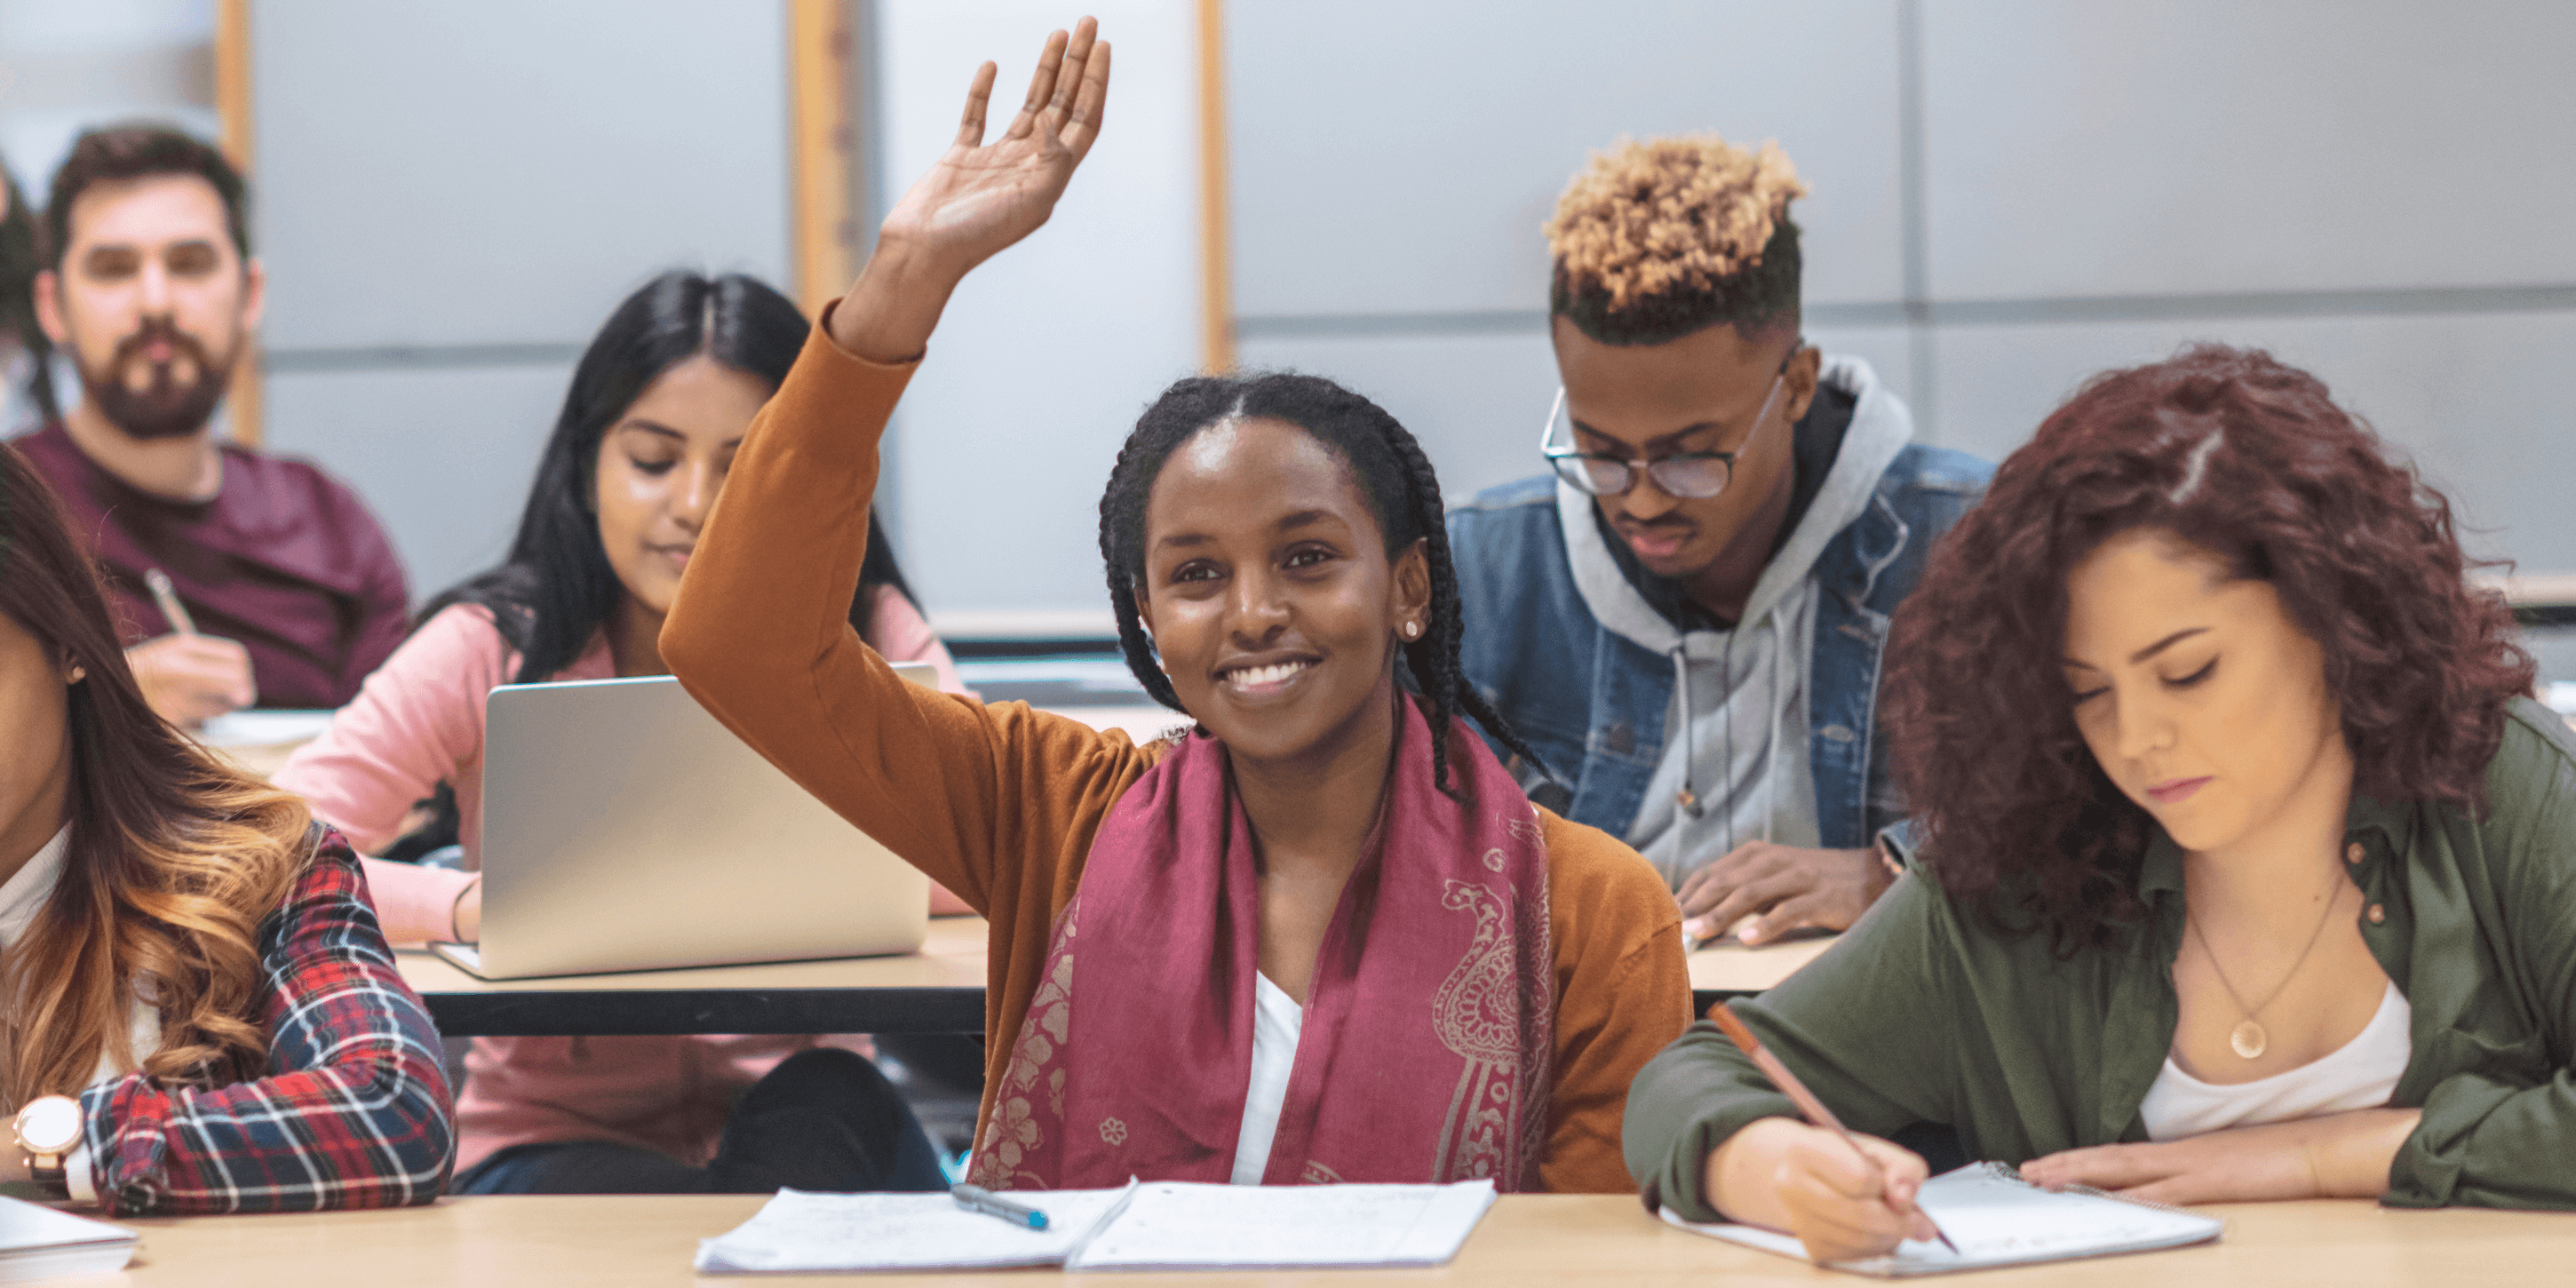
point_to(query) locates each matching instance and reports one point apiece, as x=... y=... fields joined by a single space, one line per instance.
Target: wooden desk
x=1730 y=969
x=937 y=990
x=500 y=1242
x=2538 y=599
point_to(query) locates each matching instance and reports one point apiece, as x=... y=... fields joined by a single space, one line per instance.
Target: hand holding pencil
x=188 y=678
x=1846 y=1196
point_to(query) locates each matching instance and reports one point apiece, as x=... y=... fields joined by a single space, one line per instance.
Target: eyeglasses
x=1691 y=476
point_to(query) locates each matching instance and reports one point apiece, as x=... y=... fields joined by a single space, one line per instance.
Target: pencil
x=1724 y=1017
x=167 y=597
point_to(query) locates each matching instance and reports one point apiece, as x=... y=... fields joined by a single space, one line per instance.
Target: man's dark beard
x=164 y=408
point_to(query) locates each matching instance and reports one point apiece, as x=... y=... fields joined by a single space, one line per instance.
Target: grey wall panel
x=489 y=172
x=2477 y=400
x=2215 y=146
x=1474 y=401
x=444 y=457
x=1399 y=158
x=1049 y=350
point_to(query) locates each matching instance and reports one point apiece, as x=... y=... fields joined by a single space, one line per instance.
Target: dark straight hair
x=556 y=590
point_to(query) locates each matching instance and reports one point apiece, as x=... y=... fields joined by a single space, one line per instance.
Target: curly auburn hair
x=1659 y=239
x=2245 y=458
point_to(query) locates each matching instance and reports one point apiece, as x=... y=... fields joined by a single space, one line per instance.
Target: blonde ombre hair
x=1656 y=239
x=175 y=857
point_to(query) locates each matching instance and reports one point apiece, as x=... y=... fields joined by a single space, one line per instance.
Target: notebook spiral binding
x=2010 y=1173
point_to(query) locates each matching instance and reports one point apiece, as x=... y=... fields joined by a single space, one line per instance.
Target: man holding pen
x=151 y=290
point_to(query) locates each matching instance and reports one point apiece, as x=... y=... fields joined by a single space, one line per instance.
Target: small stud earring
x=1412 y=630
x=79 y=674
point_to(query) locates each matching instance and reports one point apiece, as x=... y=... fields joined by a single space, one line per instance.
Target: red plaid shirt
x=354 y=1111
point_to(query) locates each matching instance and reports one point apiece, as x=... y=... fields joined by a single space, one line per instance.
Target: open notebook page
x=1997 y=1219
x=800 y=1231
x=1172 y=1225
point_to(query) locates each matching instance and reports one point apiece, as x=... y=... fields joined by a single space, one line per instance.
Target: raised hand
x=979 y=198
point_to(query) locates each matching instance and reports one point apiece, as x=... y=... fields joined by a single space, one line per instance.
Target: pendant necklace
x=2248 y=1039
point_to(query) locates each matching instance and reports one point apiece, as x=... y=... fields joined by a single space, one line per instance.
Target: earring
x=1412 y=630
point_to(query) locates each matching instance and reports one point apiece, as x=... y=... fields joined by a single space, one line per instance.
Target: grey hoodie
x=1739 y=718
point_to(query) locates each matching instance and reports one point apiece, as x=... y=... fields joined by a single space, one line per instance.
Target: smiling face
x=1269 y=593
x=2199 y=696
x=153 y=301
x=1702 y=392
x=660 y=467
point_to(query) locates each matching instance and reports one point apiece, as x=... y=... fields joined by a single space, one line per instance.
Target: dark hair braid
x=1394 y=475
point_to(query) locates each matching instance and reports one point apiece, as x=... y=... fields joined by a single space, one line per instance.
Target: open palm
x=981 y=197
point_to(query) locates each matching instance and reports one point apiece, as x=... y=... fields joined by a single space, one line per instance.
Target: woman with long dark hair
x=658 y=405
x=2247 y=864
x=197 y=1011
x=1324 y=937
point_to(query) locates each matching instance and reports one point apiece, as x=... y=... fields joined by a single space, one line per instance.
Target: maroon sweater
x=284 y=559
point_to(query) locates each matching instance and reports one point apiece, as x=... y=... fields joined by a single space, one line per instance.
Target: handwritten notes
x=1166 y=1225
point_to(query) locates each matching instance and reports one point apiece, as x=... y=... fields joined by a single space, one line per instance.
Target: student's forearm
x=1743 y=1173
x=894 y=306
x=2352 y=1153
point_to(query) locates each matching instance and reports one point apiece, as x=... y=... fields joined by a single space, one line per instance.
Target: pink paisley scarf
x=1428 y=1029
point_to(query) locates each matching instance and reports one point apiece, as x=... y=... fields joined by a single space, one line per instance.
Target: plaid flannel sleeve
x=354 y=1112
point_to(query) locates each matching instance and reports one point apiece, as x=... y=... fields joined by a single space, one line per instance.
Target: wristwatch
x=47 y=1131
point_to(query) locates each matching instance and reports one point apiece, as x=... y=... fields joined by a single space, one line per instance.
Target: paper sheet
x=801 y=1231
x=1999 y=1220
x=1170 y=1225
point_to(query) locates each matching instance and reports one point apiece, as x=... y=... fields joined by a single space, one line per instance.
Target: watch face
x=49 y=1124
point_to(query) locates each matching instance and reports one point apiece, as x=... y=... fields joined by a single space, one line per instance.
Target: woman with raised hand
x=658 y=406
x=1322 y=936
x=201 y=1014
x=2247 y=867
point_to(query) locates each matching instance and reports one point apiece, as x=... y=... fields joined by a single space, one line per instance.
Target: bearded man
x=152 y=290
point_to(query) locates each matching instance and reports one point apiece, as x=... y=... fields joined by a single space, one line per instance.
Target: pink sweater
x=418 y=721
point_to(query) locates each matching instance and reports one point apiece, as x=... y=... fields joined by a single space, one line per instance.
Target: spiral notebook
x=1999 y=1219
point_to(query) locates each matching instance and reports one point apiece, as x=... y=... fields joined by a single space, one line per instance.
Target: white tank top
x=1277 y=1021
x=2361 y=1074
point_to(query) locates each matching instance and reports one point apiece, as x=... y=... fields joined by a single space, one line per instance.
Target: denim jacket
x=1593 y=704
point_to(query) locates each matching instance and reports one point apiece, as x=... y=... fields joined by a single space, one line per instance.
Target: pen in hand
x=976 y=1198
x=166 y=597
x=1728 y=1022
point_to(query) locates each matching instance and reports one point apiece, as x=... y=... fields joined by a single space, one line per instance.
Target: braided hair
x=1394 y=475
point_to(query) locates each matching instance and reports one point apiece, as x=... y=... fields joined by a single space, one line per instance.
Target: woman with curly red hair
x=2246 y=868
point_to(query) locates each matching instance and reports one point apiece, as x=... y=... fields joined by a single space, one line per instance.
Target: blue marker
x=976 y=1198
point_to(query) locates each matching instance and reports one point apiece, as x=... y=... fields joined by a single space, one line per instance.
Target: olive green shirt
x=1923 y=1012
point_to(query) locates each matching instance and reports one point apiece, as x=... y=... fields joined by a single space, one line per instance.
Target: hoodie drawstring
x=1688 y=796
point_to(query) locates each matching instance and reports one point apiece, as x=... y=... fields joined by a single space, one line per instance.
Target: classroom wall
x=2009 y=196
x=1049 y=351
x=451 y=198
x=66 y=65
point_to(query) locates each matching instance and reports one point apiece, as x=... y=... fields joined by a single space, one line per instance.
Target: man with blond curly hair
x=1685 y=618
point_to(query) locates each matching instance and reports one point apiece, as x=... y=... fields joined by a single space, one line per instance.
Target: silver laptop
x=625 y=829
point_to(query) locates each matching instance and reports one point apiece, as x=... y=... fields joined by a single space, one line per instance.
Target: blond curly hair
x=1663 y=231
